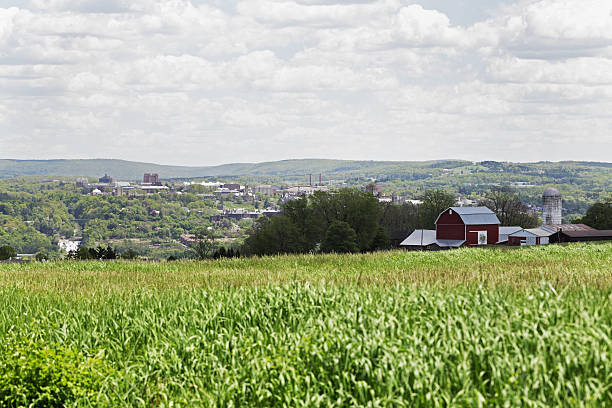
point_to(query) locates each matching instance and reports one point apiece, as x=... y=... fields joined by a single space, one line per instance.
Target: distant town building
x=151 y=178
x=551 y=207
x=264 y=189
x=106 y=179
x=82 y=182
x=232 y=187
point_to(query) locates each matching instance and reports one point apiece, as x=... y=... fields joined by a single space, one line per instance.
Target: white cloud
x=271 y=79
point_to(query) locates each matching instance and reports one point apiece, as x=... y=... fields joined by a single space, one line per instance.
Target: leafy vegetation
x=7 y=252
x=305 y=225
x=35 y=374
x=37 y=214
x=472 y=327
x=509 y=209
x=599 y=216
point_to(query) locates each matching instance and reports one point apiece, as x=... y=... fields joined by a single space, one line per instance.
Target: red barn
x=467 y=226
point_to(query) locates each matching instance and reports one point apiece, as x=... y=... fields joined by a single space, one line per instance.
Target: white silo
x=551 y=207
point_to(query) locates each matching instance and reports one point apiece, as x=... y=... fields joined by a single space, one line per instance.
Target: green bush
x=7 y=252
x=35 y=374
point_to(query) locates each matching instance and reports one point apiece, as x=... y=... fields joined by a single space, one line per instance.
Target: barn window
x=482 y=237
x=450 y=212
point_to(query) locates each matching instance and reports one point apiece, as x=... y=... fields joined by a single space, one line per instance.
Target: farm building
x=421 y=240
x=528 y=237
x=467 y=226
x=457 y=227
x=504 y=233
x=582 y=235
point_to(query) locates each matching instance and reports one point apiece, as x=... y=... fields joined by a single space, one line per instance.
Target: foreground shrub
x=34 y=374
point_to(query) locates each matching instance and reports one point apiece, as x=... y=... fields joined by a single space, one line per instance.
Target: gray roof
x=537 y=232
x=476 y=215
x=504 y=232
x=509 y=230
x=551 y=192
x=428 y=237
x=450 y=243
x=540 y=232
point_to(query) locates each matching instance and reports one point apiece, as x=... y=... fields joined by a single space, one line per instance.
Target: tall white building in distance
x=551 y=207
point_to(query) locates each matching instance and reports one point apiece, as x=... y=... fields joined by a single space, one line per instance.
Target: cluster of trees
x=34 y=215
x=598 y=216
x=354 y=221
x=100 y=253
x=509 y=208
x=7 y=252
x=346 y=221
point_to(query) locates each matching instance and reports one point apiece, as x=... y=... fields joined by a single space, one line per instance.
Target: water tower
x=551 y=206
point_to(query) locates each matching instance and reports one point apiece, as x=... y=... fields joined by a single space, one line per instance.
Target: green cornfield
x=526 y=327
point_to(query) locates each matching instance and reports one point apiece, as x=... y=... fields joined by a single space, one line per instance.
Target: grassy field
x=494 y=327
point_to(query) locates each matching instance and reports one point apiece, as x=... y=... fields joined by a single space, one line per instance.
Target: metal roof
x=509 y=230
x=474 y=215
x=450 y=243
x=535 y=232
x=420 y=238
x=472 y=210
x=504 y=232
x=480 y=219
x=593 y=233
x=540 y=232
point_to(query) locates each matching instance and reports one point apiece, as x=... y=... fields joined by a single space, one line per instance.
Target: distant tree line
x=351 y=220
x=344 y=221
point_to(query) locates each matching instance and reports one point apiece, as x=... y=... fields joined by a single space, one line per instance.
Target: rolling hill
x=128 y=170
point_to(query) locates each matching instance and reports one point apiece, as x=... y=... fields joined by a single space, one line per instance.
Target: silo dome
x=551 y=192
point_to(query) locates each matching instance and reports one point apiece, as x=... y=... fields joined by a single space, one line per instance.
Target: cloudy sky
x=214 y=81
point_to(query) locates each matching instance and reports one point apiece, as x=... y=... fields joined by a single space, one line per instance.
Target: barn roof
x=584 y=234
x=534 y=232
x=509 y=230
x=474 y=215
x=568 y=227
x=420 y=238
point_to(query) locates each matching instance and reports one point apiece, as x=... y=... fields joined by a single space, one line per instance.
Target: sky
x=206 y=82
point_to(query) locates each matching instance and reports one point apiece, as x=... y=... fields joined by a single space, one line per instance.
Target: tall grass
x=573 y=265
x=491 y=328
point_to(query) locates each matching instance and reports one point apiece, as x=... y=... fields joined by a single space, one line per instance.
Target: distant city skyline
x=208 y=82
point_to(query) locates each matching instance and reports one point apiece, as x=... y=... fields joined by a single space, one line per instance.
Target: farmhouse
x=467 y=226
